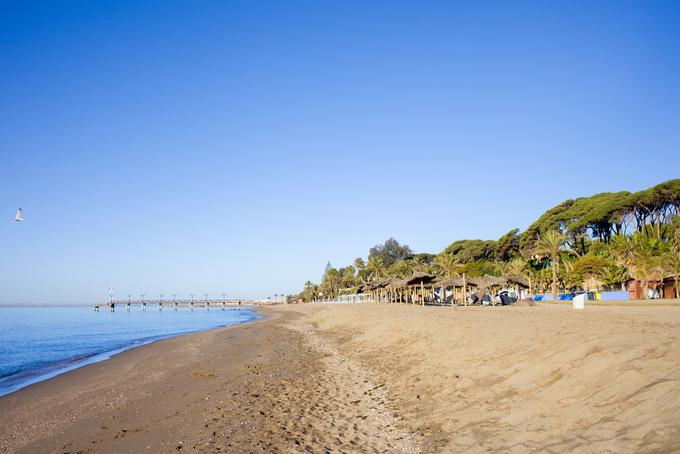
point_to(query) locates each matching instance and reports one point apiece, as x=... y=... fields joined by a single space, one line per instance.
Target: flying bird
x=18 y=217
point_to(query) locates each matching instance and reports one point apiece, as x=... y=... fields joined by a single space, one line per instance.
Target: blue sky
x=236 y=147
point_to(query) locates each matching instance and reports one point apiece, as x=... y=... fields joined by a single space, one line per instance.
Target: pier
x=170 y=305
x=175 y=305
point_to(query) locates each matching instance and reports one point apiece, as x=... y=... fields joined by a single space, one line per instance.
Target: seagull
x=18 y=217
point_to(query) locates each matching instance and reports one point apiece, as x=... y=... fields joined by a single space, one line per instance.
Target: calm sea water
x=37 y=343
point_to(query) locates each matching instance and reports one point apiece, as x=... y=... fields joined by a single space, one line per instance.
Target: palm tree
x=672 y=263
x=418 y=265
x=627 y=250
x=640 y=253
x=543 y=276
x=448 y=264
x=375 y=267
x=515 y=267
x=347 y=278
x=614 y=274
x=674 y=242
x=400 y=269
x=642 y=269
x=550 y=245
x=519 y=267
x=331 y=283
x=567 y=279
x=309 y=292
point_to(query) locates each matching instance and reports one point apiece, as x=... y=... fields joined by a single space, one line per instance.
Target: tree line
x=598 y=241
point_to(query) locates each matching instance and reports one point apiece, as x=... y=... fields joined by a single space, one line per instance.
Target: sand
x=374 y=378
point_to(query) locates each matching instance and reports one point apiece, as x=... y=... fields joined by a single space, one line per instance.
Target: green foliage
x=674 y=233
x=549 y=245
x=389 y=252
x=424 y=258
x=507 y=246
x=613 y=275
x=400 y=269
x=309 y=293
x=517 y=267
x=607 y=214
x=376 y=267
x=611 y=236
x=471 y=250
x=589 y=266
x=347 y=277
x=447 y=265
x=555 y=219
x=478 y=268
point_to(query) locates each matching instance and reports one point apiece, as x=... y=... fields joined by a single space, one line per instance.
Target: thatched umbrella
x=491 y=281
x=396 y=289
x=518 y=280
x=420 y=279
x=459 y=282
x=376 y=287
x=487 y=281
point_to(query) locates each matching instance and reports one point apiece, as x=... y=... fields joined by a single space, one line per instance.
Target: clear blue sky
x=235 y=147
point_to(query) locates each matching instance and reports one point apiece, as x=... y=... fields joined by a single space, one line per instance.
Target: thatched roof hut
x=491 y=281
x=420 y=279
x=397 y=283
x=518 y=280
x=378 y=284
x=455 y=282
x=482 y=282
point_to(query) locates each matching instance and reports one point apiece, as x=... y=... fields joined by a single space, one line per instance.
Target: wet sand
x=374 y=378
x=266 y=386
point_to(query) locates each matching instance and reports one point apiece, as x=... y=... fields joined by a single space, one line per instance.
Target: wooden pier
x=170 y=304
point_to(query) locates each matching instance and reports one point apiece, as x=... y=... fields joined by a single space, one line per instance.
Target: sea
x=37 y=343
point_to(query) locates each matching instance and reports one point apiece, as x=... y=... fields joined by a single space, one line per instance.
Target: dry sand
x=375 y=378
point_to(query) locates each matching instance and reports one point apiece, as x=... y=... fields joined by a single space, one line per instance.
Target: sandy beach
x=374 y=378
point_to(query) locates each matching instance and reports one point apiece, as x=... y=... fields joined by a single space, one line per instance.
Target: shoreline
x=374 y=377
x=52 y=370
x=23 y=401
x=240 y=388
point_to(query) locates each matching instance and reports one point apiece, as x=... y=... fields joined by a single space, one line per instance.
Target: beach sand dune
x=374 y=378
